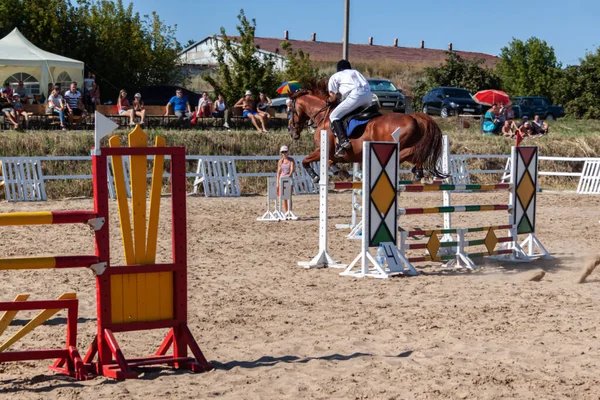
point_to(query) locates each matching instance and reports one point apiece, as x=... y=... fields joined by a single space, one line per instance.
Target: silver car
x=389 y=96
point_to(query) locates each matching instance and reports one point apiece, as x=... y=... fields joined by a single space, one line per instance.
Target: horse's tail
x=429 y=149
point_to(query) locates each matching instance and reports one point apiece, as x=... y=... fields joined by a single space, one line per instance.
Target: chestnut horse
x=420 y=137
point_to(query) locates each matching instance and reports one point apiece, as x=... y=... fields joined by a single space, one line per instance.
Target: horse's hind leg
x=417 y=170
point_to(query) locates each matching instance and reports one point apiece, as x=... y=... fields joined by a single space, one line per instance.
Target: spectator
x=87 y=87
x=6 y=105
x=123 y=107
x=94 y=97
x=74 y=102
x=138 y=108
x=18 y=106
x=62 y=93
x=526 y=129
x=501 y=113
x=263 y=107
x=9 y=91
x=181 y=107
x=249 y=111
x=220 y=110
x=507 y=130
x=56 y=105
x=43 y=98
x=285 y=169
x=203 y=110
x=21 y=90
x=540 y=127
x=491 y=122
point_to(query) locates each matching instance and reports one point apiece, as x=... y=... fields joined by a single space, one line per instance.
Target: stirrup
x=340 y=151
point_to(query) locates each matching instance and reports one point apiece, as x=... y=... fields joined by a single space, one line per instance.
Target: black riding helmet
x=342 y=65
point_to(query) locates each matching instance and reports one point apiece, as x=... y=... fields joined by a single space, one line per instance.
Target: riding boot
x=337 y=127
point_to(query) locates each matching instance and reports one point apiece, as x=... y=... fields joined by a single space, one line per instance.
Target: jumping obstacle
x=274 y=211
x=136 y=297
x=380 y=189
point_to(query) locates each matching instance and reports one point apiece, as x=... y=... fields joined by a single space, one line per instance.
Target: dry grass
x=568 y=138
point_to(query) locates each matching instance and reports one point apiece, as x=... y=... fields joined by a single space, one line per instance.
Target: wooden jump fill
x=136 y=297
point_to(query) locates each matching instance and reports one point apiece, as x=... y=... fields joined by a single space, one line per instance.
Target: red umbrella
x=491 y=96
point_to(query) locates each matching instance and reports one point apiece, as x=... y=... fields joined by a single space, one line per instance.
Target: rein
x=311 y=118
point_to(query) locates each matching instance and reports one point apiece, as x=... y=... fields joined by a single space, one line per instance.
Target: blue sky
x=572 y=28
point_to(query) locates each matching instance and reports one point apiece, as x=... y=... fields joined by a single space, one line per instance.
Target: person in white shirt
x=56 y=105
x=220 y=110
x=355 y=92
x=203 y=106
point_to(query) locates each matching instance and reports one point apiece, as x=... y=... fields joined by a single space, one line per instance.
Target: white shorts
x=354 y=100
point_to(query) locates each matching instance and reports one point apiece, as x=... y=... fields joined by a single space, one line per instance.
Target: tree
x=528 y=68
x=455 y=72
x=241 y=66
x=578 y=88
x=298 y=66
x=124 y=49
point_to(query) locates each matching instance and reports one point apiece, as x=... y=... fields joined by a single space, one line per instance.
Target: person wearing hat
x=138 y=108
x=249 y=111
x=7 y=108
x=285 y=169
x=355 y=92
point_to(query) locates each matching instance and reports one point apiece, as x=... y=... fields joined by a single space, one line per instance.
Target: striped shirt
x=72 y=98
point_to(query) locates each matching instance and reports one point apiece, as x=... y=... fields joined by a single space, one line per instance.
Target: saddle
x=356 y=122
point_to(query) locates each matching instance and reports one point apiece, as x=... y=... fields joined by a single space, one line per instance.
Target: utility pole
x=346 y=29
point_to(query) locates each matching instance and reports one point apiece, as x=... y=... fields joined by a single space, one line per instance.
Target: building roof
x=331 y=52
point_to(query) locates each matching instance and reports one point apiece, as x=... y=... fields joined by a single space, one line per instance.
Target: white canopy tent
x=19 y=57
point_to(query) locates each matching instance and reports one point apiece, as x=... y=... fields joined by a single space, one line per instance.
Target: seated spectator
x=501 y=113
x=181 y=107
x=9 y=91
x=138 y=108
x=7 y=108
x=249 y=111
x=60 y=90
x=56 y=105
x=18 y=106
x=44 y=97
x=491 y=123
x=203 y=110
x=526 y=129
x=94 y=97
x=540 y=127
x=21 y=90
x=124 y=108
x=507 y=130
x=263 y=106
x=220 y=110
x=74 y=102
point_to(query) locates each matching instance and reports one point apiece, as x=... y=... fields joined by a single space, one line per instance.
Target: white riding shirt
x=345 y=81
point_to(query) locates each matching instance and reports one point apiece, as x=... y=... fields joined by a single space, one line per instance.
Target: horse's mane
x=316 y=87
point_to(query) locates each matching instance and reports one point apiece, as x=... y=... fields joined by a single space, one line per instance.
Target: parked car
x=278 y=103
x=161 y=94
x=536 y=105
x=390 y=98
x=447 y=101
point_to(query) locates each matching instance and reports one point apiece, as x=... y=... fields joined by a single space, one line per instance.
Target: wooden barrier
x=138 y=296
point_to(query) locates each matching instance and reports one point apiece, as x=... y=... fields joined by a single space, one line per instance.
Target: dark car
x=447 y=101
x=536 y=105
x=389 y=96
x=161 y=94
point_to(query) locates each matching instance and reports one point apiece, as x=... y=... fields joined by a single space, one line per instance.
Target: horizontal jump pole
x=430 y=232
x=451 y=257
x=453 y=209
x=46 y=218
x=357 y=185
x=451 y=187
x=476 y=242
x=47 y=262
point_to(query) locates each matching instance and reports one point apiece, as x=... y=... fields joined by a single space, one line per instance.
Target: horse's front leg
x=312 y=157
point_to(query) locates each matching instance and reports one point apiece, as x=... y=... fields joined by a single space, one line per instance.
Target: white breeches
x=354 y=100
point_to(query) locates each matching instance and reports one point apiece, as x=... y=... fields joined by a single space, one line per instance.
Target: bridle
x=306 y=123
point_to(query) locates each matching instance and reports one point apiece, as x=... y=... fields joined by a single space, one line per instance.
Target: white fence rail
x=215 y=176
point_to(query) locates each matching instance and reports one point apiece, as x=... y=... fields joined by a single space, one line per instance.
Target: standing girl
x=285 y=169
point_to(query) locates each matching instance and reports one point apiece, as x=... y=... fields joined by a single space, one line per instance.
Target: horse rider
x=355 y=92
